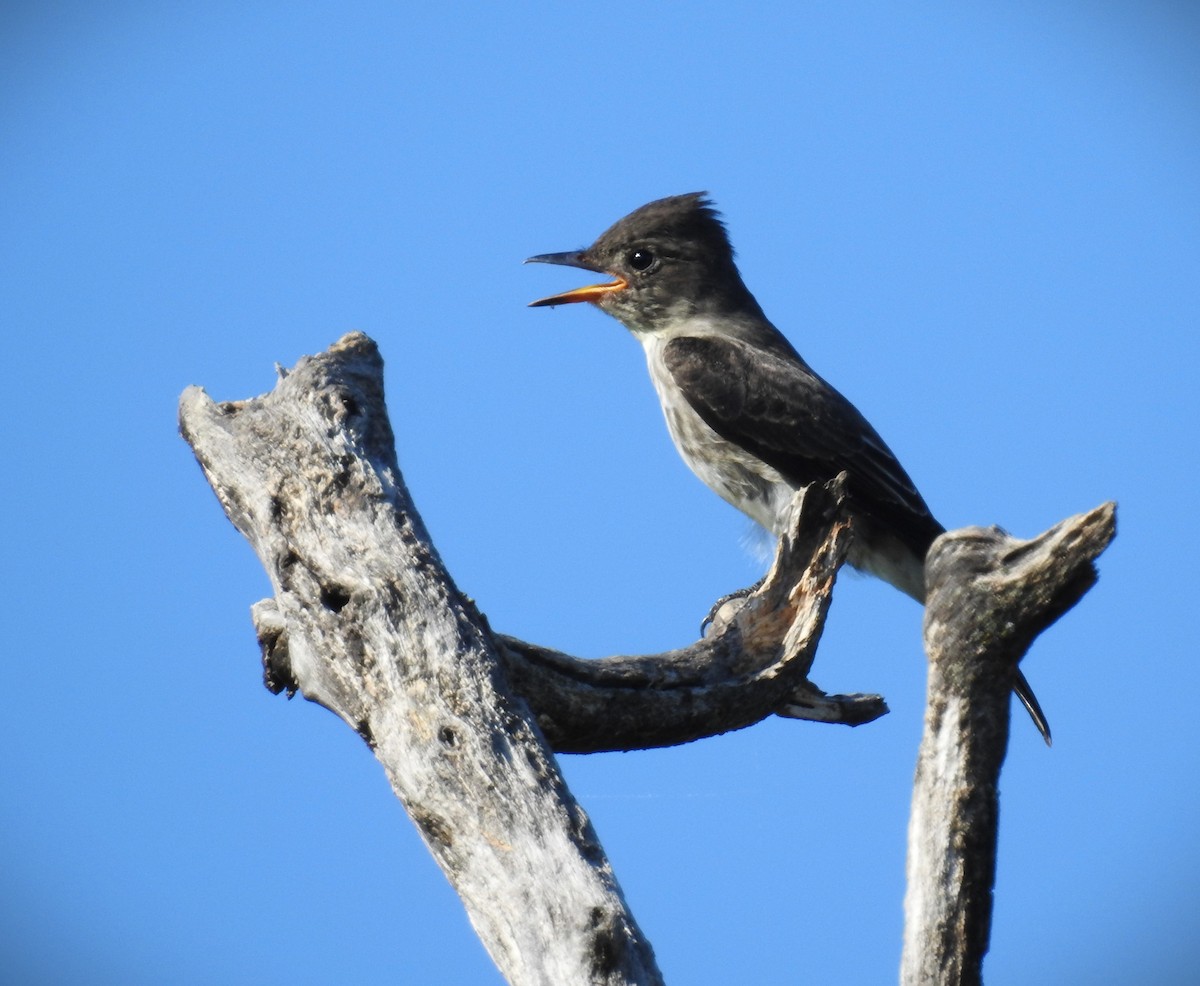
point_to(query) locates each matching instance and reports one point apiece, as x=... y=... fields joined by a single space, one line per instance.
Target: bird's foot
x=725 y=608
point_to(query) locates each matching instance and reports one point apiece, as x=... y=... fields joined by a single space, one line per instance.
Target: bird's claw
x=730 y=597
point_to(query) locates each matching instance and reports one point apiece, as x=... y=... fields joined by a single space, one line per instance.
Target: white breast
x=729 y=471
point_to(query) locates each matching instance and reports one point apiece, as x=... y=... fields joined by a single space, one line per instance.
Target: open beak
x=593 y=292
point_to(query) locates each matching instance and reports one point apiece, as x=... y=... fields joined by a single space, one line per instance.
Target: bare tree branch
x=989 y=596
x=754 y=663
x=375 y=631
x=366 y=621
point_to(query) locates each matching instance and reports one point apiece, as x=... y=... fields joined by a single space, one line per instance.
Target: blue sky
x=980 y=224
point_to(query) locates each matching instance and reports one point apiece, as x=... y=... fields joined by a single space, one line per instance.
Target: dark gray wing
x=771 y=404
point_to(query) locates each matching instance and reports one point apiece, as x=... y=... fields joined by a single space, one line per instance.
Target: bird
x=746 y=413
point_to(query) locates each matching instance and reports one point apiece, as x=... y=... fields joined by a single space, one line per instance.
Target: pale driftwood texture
x=989 y=596
x=366 y=621
x=374 y=630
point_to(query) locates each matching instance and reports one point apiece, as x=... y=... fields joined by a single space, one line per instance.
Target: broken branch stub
x=989 y=595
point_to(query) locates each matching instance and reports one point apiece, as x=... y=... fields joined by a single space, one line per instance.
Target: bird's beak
x=592 y=292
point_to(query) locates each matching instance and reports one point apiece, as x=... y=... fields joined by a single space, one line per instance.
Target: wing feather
x=774 y=406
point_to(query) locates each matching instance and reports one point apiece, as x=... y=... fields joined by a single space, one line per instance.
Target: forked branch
x=366 y=621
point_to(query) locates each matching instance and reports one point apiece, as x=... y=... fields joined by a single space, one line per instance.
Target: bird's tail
x=1029 y=700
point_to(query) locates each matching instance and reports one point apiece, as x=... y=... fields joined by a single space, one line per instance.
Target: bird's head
x=670 y=261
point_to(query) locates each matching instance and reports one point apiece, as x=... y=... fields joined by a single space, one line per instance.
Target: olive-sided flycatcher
x=748 y=415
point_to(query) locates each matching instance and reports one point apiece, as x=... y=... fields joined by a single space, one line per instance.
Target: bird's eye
x=641 y=259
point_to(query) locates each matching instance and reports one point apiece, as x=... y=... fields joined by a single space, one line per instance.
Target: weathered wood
x=989 y=596
x=373 y=629
x=366 y=621
x=754 y=662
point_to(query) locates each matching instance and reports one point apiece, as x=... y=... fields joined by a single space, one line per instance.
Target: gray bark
x=989 y=596
x=366 y=622
x=754 y=662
